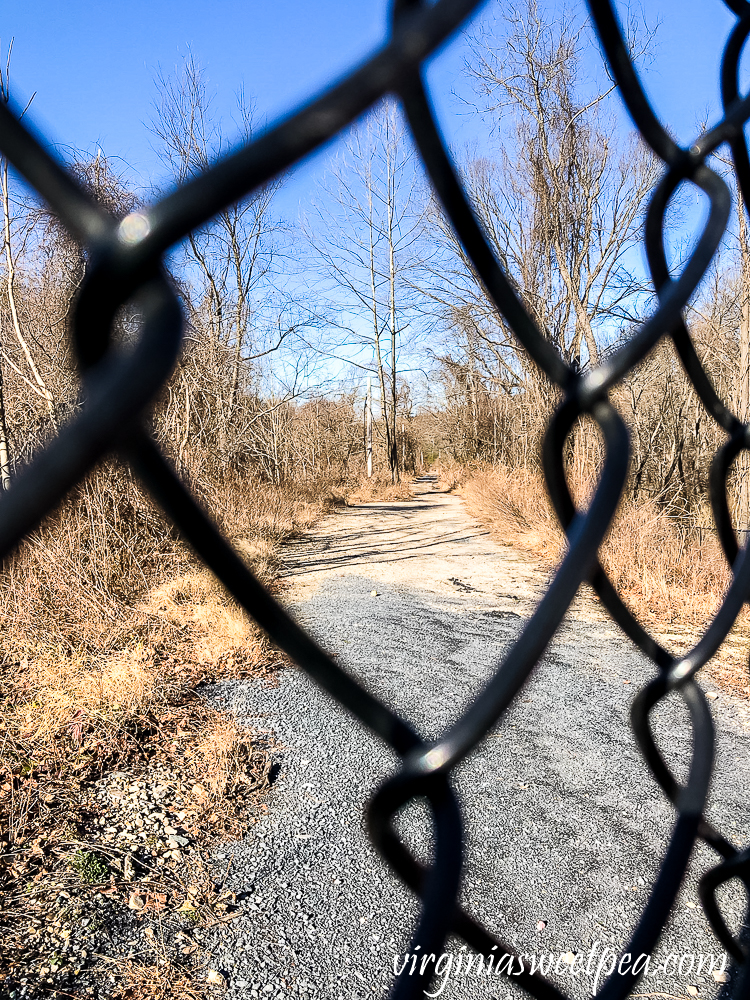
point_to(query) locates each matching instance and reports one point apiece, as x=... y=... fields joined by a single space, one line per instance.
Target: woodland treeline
x=286 y=320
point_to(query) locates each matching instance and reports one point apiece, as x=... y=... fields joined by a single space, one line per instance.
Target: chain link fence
x=118 y=386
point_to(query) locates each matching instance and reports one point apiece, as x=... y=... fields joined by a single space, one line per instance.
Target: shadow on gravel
x=565 y=828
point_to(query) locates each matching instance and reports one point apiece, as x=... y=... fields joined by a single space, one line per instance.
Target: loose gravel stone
x=564 y=826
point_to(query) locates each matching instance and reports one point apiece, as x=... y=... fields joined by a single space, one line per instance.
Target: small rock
x=692 y=990
x=373 y=593
x=712 y=695
x=720 y=977
x=541 y=924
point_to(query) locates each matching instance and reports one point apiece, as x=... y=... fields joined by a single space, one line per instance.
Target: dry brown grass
x=219 y=758
x=107 y=617
x=85 y=661
x=195 y=611
x=672 y=584
x=377 y=487
x=451 y=475
x=514 y=505
x=80 y=583
x=57 y=698
x=161 y=979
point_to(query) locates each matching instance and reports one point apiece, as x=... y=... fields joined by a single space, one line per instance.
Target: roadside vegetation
x=115 y=775
x=110 y=628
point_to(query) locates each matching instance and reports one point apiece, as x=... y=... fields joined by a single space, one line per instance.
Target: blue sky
x=93 y=63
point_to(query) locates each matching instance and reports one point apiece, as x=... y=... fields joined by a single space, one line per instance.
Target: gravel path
x=565 y=826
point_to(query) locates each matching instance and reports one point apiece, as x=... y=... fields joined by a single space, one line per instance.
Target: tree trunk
x=10 y=290
x=368 y=427
x=742 y=391
x=392 y=281
x=4 y=447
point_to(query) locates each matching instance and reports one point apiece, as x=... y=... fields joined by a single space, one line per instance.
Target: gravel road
x=565 y=826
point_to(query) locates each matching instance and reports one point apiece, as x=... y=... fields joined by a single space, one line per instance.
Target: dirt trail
x=430 y=543
x=565 y=827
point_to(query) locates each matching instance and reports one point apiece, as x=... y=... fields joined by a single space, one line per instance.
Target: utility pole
x=368 y=426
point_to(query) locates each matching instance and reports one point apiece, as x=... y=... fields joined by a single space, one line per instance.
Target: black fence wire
x=118 y=386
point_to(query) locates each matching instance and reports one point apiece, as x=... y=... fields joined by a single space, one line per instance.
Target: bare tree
x=741 y=392
x=364 y=238
x=720 y=317
x=10 y=239
x=41 y=268
x=226 y=272
x=561 y=205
